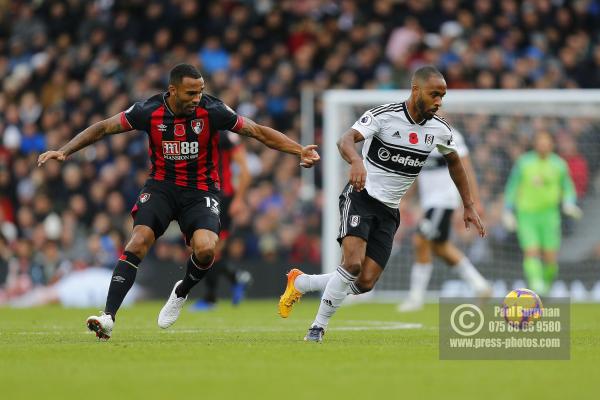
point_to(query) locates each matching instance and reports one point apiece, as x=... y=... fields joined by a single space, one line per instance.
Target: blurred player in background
x=398 y=138
x=439 y=198
x=183 y=127
x=232 y=151
x=538 y=183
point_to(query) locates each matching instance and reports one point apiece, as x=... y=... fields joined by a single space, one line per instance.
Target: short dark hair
x=423 y=73
x=180 y=71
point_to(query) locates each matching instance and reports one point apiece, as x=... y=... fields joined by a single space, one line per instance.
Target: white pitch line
x=372 y=326
x=360 y=326
x=391 y=327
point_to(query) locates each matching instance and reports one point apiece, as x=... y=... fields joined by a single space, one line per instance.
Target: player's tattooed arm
x=86 y=137
x=358 y=173
x=278 y=141
x=459 y=176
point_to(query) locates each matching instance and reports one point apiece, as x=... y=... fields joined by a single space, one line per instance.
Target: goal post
x=559 y=111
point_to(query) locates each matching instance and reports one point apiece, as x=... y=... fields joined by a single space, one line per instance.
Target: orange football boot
x=291 y=294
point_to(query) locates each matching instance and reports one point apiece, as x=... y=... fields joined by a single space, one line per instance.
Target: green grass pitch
x=370 y=352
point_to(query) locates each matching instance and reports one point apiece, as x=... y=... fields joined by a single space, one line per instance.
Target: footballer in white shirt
x=398 y=138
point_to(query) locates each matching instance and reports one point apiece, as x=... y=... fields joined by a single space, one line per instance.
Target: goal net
x=498 y=126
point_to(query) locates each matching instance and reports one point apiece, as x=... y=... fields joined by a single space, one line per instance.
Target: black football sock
x=194 y=274
x=122 y=280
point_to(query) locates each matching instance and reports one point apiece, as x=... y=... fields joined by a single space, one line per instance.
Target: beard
x=186 y=110
x=420 y=103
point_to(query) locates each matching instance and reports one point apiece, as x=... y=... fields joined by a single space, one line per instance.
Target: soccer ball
x=520 y=307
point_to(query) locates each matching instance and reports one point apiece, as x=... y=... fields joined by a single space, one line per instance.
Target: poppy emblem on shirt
x=413 y=138
x=144 y=197
x=179 y=129
x=197 y=125
x=429 y=140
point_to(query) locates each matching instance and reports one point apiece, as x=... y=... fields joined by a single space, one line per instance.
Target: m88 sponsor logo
x=176 y=150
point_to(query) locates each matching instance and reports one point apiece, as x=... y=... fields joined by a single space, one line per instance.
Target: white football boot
x=170 y=311
x=102 y=325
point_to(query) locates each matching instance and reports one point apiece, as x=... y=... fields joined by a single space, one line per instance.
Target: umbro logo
x=396 y=134
x=118 y=279
x=161 y=127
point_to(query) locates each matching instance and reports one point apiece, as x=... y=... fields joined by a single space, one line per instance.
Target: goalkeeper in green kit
x=538 y=183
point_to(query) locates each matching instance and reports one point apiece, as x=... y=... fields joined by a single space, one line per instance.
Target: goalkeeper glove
x=571 y=210
x=509 y=221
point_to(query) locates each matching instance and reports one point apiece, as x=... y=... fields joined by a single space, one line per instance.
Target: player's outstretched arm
x=278 y=141
x=459 y=176
x=244 y=179
x=473 y=185
x=358 y=173
x=86 y=137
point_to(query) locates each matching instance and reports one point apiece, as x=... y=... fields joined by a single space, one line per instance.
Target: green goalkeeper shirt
x=538 y=184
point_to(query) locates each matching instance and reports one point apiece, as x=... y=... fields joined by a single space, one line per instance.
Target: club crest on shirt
x=197 y=125
x=429 y=140
x=144 y=197
x=354 y=220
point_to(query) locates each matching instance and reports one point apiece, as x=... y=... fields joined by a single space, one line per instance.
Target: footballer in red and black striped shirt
x=183 y=126
x=184 y=147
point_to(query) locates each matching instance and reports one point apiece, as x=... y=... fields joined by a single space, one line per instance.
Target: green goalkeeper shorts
x=539 y=230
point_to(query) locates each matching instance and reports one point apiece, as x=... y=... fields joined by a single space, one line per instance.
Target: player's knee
x=439 y=248
x=549 y=257
x=204 y=256
x=204 y=252
x=139 y=245
x=353 y=267
x=533 y=252
x=204 y=245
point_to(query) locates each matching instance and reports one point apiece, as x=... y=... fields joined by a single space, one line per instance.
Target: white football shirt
x=436 y=187
x=396 y=149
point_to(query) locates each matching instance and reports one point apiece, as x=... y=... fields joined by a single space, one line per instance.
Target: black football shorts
x=160 y=202
x=363 y=216
x=225 y=217
x=435 y=224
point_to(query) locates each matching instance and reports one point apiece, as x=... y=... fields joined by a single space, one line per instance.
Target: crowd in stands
x=67 y=64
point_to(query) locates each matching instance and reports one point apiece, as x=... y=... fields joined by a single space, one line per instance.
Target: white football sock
x=316 y=283
x=419 y=280
x=469 y=274
x=312 y=283
x=335 y=293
